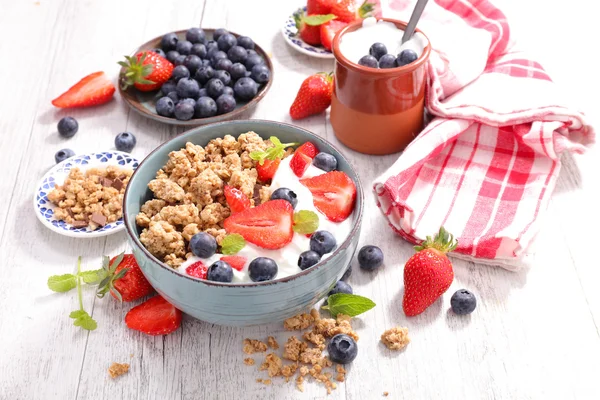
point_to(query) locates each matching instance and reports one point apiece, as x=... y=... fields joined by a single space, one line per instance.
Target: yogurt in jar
x=354 y=45
x=286 y=257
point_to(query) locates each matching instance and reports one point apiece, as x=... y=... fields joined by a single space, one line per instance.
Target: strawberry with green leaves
x=308 y=26
x=147 y=71
x=346 y=10
x=124 y=279
x=428 y=273
x=268 y=160
x=313 y=97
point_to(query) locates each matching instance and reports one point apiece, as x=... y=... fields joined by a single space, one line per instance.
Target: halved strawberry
x=197 y=270
x=318 y=6
x=334 y=194
x=328 y=31
x=92 y=90
x=268 y=225
x=155 y=316
x=302 y=158
x=236 y=262
x=267 y=170
x=236 y=199
x=308 y=26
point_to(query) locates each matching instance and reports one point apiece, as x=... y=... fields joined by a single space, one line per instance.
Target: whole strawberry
x=313 y=97
x=124 y=279
x=147 y=71
x=428 y=273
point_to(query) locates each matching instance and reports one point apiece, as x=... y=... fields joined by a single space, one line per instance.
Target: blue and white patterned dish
x=290 y=34
x=44 y=209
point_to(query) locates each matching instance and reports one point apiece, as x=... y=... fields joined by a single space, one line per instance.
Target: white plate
x=290 y=34
x=44 y=209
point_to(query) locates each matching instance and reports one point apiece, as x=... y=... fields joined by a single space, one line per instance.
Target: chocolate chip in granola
x=117 y=184
x=70 y=212
x=106 y=182
x=79 y=224
x=98 y=219
x=256 y=194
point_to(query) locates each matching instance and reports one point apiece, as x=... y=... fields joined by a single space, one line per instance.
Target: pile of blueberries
x=210 y=76
x=379 y=58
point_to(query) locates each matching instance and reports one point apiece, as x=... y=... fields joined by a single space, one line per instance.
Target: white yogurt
x=355 y=45
x=286 y=257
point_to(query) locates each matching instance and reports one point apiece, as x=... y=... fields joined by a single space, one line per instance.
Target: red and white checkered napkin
x=485 y=167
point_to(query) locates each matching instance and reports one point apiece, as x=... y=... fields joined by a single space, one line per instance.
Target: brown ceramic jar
x=377 y=111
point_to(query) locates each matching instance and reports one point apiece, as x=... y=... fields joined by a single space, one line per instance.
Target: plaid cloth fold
x=486 y=166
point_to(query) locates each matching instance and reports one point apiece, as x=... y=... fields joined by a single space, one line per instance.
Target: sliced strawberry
x=236 y=199
x=197 y=269
x=302 y=158
x=268 y=225
x=267 y=170
x=318 y=6
x=236 y=262
x=334 y=194
x=92 y=90
x=328 y=31
x=155 y=316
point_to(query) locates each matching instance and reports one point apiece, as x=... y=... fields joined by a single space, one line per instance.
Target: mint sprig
x=305 y=222
x=108 y=280
x=62 y=283
x=232 y=244
x=348 y=304
x=272 y=153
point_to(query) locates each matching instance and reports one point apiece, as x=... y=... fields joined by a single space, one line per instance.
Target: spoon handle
x=414 y=19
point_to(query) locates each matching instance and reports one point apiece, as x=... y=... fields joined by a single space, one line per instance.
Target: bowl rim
x=131 y=99
x=354 y=231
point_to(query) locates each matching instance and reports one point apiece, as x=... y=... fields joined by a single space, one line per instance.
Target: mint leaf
x=305 y=222
x=232 y=244
x=83 y=320
x=272 y=153
x=348 y=304
x=93 y=277
x=62 y=283
x=314 y=20
x=77 y=314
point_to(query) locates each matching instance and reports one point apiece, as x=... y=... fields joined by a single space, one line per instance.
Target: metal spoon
x=414 y=19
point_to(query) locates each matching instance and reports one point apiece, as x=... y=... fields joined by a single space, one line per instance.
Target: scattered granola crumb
x=272 y=343
x=249 y=361
x=341 y=373
x=300 y=383
x=386 y=394
x=272 y=365
x=252 y=346
x=298 y=322
x=395 y=338
x=293 y=348
x=117 y=369
x=264 y=381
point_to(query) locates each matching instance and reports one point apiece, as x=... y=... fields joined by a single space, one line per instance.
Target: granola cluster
x=116 y=369
x=91 y=199
x=188 y=194
x=395 y=338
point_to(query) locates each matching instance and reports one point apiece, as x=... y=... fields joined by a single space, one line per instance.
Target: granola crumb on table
x=272 y=343
x=117 y=369
x=249 y=361
x=395 y=338
x=252 y=346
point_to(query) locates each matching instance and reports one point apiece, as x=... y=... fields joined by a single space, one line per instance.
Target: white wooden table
x=535 y=333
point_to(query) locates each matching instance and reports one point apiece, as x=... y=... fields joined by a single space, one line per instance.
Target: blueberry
x=284 y=193
x=192 y=63
x=206 y=63
x=168 y=87
x=220 y=271
x=188 y=87
x=322 y=242
x=195 y=35
x=262 y=269
x=172 y=55
x=165 y=106
x=237 y=54
x=463 y=302
x=204 y=74
x=192 y=102
x=370 y=257
x=199 y=50
x=211 y=48
x=125 y=141
x=169 y=42
x=179 y=60
x=342 y=349
x=226 y=41
x=67 y=127
x=347 y=274
x=217 y=55
x=184 y=110
x=218 y=33
x=225 y=103
x=245 y=42
x=203 y=93
x=245 y=88
x=63 y=154
x=179 y=72
x=251 y=51
x=325 y=161
x=387 y=61
x=406 y=57
x=368 y=61
x=160 y=52
x=237 y=71
x=260 y=73
x=228 y=91
x=184 y=47
x=205 y=107
x=252 y=60
x=308 y=258
x=223 y=64
x=378 y=50
x=203 y=245
x=173 y=96
x=340 y=287
x=214 y=88
x=223 y=76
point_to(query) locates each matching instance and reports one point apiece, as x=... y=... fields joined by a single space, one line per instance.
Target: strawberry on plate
x=334 y=194
x=155 y=316
x=197 y=270
x=266 y=170
x=346 y=10
x=318 y=6
x=328 y=31
x=93 y=90
x=124 y=279
x=236 y=262
x=313 y=97
x=236 y=199
x=308 y=26
x=268 y=225
x=147 y=71
x=302 y=158
x=428 y=273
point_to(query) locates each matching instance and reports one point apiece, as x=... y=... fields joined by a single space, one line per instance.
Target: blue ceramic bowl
x=241 y=304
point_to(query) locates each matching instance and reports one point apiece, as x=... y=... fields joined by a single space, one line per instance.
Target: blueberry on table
x=370 y=257
x=125 y=141
x=165 y=106
x=169 y=41
x=184 y=47
x=237 y=71
x=463 y=302
x=168 y=87
x=286 y=194
x=172 y=55
x=223 y=64
x=225 y=103
x=340 y=287
x=192 y=63
x=179 y=72
x=199 y=50
x=387 y=61
x=220 y=271
x=204 y=74
x=173 y=96
x=218 y=33
x=245 y=42
x=67 y=127
x=347 y=274
x=228 y=91
x=184 y=110
x=217 y=55
x=406 y=57
x=325 y=161
x=160 y=52
x=262 y=269
x=252 y=60
x=342 y=349
x=237 y=54
x=203 y=245
x=260 y=73
x=308 y=258
x=245 y=88
x=322 y=242
x=63 y=154
x=179 y=60
x=378 y=50
x=205 y=107
x=368 y=61
x=226 y=41
x=188 y=87
x=214 y=87
x=195 y=35
x=223 y=76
